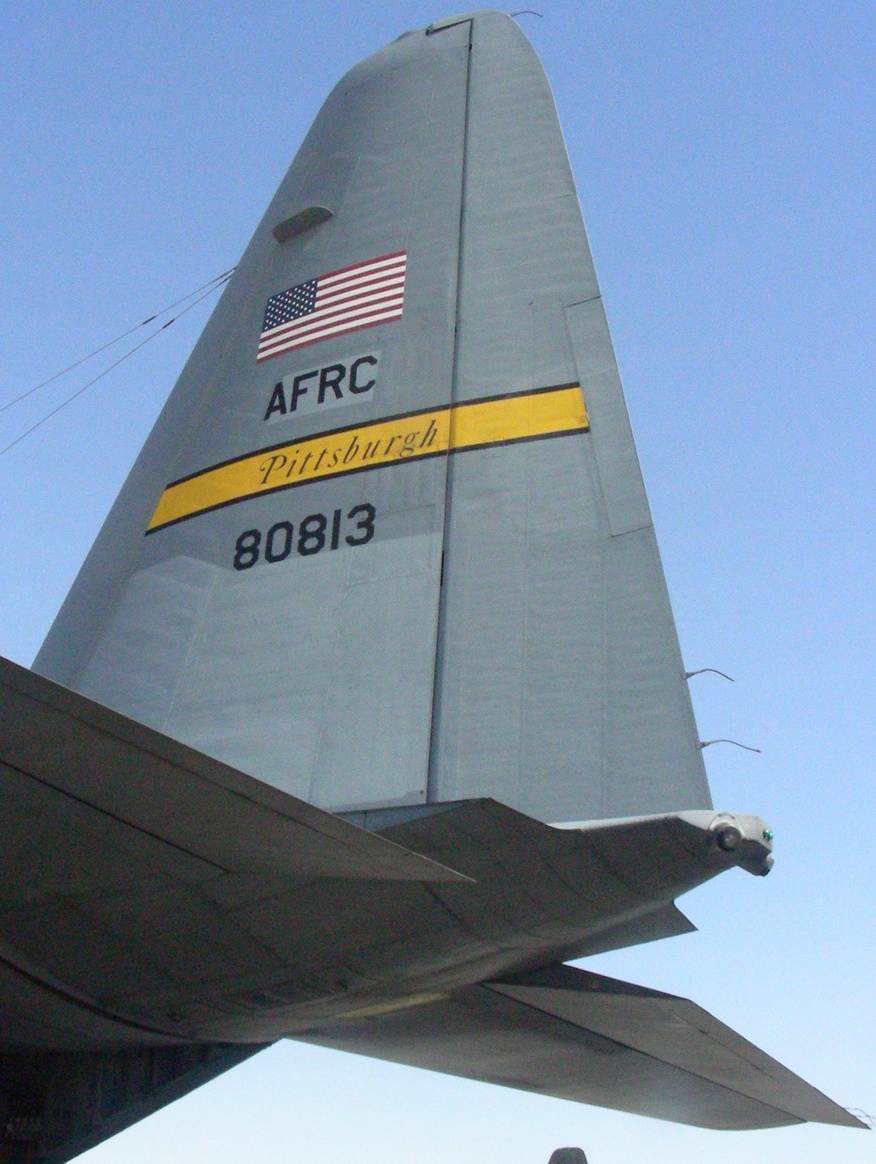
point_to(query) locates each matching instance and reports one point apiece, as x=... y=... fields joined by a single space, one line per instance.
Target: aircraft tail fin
x=413 y=563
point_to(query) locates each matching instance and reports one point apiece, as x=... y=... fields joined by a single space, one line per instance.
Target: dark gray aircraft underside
x=366 y=713
x=142 y=955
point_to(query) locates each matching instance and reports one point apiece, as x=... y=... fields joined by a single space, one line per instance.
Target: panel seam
x=440 y=624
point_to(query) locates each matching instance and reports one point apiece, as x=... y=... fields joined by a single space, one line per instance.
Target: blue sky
x=725 y=163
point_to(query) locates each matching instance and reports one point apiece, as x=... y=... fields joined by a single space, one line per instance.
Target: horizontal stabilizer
x=666 y=922
x=674 y=1031
x=580 y=1036
x=131 y=778
x=148 y=892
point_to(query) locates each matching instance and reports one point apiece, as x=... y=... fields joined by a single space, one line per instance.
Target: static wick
x=736 y=744
x=863 y=1116
x=702 y=671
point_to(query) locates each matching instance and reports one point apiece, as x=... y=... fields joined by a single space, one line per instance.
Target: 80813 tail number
x=315 y=532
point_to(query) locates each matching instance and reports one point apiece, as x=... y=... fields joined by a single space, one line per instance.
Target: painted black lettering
x=280 y=538
x=355 y=386
x=365 y=524
x=277 y=403
x=246 y=549
x=331 y=377
x=299 y=388
x=278 y=543
x=429 y=435
x=311 y=537
x=267 y=466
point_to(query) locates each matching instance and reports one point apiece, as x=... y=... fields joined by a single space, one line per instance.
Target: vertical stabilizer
x=388 y=542
x=560 y=683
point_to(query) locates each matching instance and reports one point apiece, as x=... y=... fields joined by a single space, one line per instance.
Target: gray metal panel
x=523 y=248
x=666 y=922
x=137 y=667
x=120 y=774
x=580 y=1036
x=653 y=761
x=334 y=711
x=315 y=675
x=561 y=688
x=481 y=1034
x=623 y=491
x=521 y=697
x=674 y=1031
x=153 y=893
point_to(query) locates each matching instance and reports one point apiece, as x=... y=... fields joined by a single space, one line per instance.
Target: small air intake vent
x=304 y=220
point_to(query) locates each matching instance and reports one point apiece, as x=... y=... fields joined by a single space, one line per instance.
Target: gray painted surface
x=162 y=916
x=151 y=894
x=561 y=686
x=545 y=671
x=315 y=675
x=505 y=633
x=581 y=1036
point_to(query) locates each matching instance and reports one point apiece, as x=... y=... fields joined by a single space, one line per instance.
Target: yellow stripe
x=383 y=442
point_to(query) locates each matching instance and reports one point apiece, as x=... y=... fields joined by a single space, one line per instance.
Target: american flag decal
x=340 y=301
